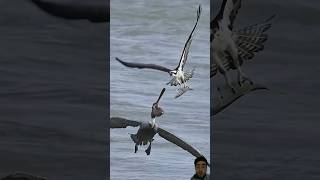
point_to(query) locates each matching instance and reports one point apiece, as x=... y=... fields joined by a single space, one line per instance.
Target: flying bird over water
x=230 y=48
x=179 y=76
x=147 y=131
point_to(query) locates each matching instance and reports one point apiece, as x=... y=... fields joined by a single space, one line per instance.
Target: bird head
x=156 y=110
x=173 y=73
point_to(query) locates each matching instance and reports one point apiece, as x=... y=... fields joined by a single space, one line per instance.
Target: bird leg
x=242 y=77
x=229 y=83
x=135 y=148
x=148 y=150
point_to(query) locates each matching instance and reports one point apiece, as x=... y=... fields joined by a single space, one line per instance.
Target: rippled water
x=155 y=32
x=52 y=94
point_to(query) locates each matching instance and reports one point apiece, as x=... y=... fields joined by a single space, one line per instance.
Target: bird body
x=146 y=133
x=179 y=75
x=230 y=48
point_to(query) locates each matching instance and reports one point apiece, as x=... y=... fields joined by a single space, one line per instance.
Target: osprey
x=179 y=76
x=230 y=48
x=147 y=131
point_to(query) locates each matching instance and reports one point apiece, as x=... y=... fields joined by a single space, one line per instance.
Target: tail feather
x=188 y=75
x=134 y=138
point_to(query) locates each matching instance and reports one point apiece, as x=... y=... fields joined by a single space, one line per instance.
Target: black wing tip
x=122 y=62
x=199 y=11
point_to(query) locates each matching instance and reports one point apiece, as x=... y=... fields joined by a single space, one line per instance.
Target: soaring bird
x=147 y=131
x=230 y=48
x=179 y=76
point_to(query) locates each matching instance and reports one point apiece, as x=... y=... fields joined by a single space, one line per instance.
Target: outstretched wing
x=227 y=14
x=142 y=66
x=251 y=39
x=179 y=142
x=184 y=55
x=117 y=122
x=69 y=10
x=230 y=12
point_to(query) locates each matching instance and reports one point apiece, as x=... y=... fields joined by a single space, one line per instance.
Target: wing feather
x=185 y=52
x=117 y=122
x=179 y=142
x=142 y=66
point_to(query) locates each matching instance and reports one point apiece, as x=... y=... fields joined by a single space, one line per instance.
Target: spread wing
x=117 y=122
x=142 y=66
x=251 y=39
x=69 y=10
x=185 y=52
x=230 y=12
x=179 y=142
x=227 y=14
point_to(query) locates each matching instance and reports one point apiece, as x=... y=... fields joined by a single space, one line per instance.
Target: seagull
x=147 y=131
x=230 y=48
x=179 y=76
x=97 y=13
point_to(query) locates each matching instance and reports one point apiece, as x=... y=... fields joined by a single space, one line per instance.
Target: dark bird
x=148 y=130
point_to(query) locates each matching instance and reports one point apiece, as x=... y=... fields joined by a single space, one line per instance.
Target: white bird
x=179 y=76
x=230 y=48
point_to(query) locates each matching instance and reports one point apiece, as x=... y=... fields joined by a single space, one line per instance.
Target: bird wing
x=185 y=52
x=251 y=39
x=230 y=12
x=142 y=66
x=179 y=142
x=69 y=10
x=117 y=122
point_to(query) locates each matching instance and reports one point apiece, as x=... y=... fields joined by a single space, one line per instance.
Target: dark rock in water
x=21 y=176
x=224 y=96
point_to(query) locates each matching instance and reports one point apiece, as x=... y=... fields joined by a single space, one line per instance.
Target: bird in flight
x=229 y=47
x=179 y=76
x=147 y=131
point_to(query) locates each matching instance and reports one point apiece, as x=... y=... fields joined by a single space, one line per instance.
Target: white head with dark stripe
x=173 y=72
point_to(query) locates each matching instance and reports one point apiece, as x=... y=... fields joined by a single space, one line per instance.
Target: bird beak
x=163 y=90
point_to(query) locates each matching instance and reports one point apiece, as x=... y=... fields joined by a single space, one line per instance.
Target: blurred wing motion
x=179 y=142
x=142 y=66
x=117 y=122
x=185 y=52
x=75 y=10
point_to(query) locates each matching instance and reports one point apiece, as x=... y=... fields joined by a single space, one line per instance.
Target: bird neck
x=153 y=122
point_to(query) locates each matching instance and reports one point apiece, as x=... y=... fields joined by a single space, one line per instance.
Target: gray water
x=52 y=94
x=275 y=134
x=155 y=32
